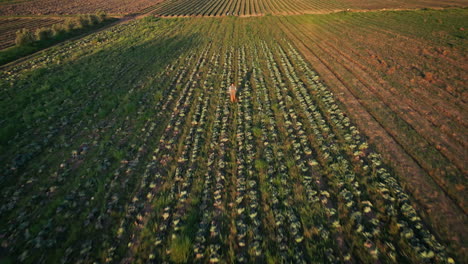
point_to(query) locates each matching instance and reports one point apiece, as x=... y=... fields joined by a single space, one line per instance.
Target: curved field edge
x=108 y=153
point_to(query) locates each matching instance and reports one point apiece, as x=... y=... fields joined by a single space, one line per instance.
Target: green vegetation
x=29 y=42
x=24 y=37
x=124 y=146
x=442 y=27
x=180 y=250
x=435 y=39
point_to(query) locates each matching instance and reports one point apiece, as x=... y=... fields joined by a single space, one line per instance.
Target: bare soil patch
x=67 y=7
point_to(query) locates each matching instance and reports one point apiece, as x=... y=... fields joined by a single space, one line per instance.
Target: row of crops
x=283 y=7
x=242 y=7
x=172 y=171
x=424 y=117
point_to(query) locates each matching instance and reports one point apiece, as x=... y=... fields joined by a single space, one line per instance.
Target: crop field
x=286 y=7
x=72 y=7
x=406 y=88
x=123 y=147
x=9 y=26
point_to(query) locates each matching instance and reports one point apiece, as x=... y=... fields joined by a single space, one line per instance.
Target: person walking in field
x=232 y=92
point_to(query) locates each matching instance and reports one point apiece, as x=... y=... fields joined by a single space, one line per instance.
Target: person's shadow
x=244 y=81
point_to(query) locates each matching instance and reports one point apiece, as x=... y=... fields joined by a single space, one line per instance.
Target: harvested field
x=9 y=26
x=71 y=7
x=288 y=7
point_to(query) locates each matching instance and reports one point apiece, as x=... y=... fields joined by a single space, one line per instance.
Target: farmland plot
x=9 y=26
x=283 y=7
x=140 y=157
x=405 y=87
x=72 y=7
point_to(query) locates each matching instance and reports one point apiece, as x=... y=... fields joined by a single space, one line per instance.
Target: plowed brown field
x=56 y=7
x=289 y=7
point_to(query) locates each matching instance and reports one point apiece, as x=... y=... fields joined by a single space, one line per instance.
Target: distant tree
x=44 y=33
x=83 y=21
x=24 y=37
x=101 y=15
x=93 y=19
x=70 y=24
x=58 y=29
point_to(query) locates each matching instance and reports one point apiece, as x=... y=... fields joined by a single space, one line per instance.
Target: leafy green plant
x=180 y=249
x=260 y=164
